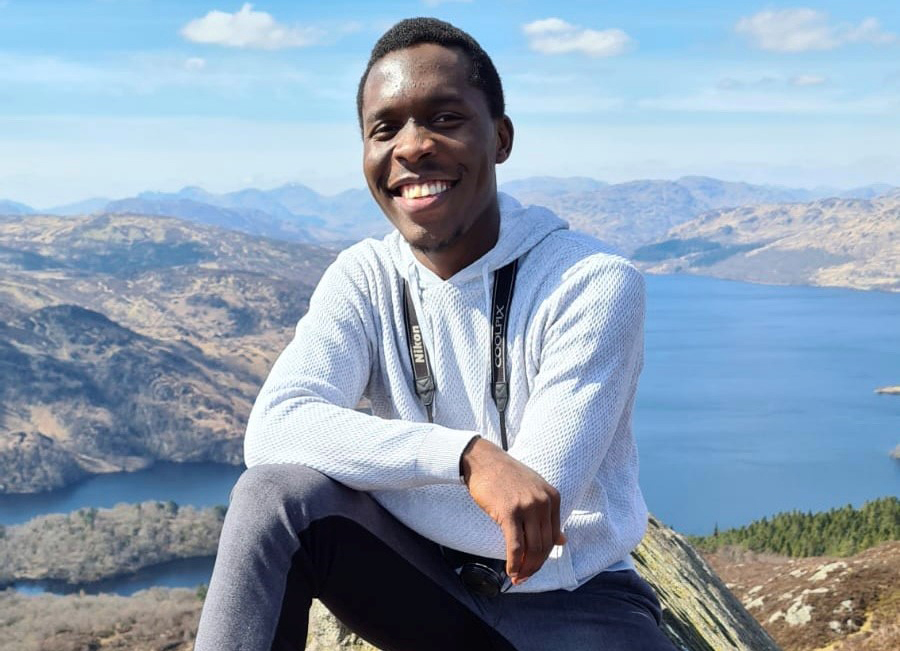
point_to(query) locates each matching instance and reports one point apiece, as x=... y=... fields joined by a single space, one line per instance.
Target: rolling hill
x=127 y=339
x=831 y=242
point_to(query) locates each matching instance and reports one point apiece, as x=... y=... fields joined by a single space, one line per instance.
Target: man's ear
x=504 y=139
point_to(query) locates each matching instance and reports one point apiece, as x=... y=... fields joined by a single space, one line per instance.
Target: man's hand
x=519 y=500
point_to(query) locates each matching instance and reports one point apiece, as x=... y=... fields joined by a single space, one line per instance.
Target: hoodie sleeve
x=578 y=413
x=305 y=410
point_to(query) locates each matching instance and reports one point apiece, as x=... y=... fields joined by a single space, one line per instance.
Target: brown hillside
x=821 y=603
x=833 y=242
x=127 y=339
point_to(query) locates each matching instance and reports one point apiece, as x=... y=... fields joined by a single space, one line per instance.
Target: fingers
x=527 y=510
x=559 y=538
x=535 y=550
x=540 y=528
x=515 y=547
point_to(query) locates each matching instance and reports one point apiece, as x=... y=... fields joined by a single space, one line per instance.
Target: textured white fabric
x=575 y=351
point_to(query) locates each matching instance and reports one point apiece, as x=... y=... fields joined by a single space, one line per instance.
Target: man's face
x=430 y=146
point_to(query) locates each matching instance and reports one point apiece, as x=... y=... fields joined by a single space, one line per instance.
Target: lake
x=754 y=399
x=757 y=399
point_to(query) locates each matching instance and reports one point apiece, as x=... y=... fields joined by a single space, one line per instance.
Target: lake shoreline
x=114 y=583
x=183 y=565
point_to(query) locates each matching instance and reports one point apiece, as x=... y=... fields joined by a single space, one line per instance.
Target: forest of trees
x=91 y=544
x=838 y=532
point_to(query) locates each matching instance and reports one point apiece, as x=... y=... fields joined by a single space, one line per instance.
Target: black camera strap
x=418 y=355
x=504 y=283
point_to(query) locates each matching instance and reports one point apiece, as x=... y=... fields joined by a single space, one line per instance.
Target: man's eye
x=447 y=119
x=383 y=131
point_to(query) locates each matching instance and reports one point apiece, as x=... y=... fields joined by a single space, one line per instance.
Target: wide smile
x=420 y=195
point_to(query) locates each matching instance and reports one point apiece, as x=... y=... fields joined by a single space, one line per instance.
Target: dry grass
x=152 y=620
x=820 y=603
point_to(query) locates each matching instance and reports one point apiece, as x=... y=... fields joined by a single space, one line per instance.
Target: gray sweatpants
x=292 y=534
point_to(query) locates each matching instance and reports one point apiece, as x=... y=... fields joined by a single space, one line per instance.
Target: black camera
x=485 y=577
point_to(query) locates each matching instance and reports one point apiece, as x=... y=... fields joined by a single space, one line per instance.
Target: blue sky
x=111 y=97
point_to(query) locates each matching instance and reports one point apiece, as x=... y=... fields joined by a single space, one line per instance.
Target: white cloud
x=808 y=80
x=803 y=29
x=248 y=29
x=435 y=3
x=869 y=31
x=556 y=36
x=194 y=64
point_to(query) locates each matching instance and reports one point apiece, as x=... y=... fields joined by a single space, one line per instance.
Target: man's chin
x=428 y=242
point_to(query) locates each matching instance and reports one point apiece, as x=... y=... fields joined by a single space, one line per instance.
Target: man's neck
x=445 y=262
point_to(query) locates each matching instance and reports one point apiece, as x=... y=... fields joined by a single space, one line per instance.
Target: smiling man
x=491 y=499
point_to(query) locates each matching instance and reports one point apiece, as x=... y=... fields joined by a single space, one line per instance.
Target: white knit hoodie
x=575 y=351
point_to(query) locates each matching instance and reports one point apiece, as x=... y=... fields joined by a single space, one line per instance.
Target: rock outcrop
x=699 y=612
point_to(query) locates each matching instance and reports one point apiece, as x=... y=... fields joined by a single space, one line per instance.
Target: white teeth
x=420 y=190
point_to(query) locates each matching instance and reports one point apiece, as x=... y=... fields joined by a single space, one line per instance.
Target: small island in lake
x=892 y=391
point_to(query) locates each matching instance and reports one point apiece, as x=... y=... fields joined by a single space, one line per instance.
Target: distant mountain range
x=630 y=215
x=14 y=208
x=125 y=340
x=291 y=212
x=626 y=215
x=691 y=225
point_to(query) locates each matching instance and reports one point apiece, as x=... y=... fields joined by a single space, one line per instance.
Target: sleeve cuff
x=440 y=452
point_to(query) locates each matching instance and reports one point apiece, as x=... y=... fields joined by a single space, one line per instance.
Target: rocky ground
x=820 y=603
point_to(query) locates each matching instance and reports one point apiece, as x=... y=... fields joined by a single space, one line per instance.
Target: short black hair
x=414 y=31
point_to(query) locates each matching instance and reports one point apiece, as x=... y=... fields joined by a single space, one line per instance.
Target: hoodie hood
x=521 y=229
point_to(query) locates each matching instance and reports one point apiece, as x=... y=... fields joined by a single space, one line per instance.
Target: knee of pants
x=274 y=490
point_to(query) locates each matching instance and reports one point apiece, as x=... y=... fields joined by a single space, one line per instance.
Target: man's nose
x=413 y=141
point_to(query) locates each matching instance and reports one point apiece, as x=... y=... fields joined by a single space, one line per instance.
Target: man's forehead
x=420 y=63
x=427 y=71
